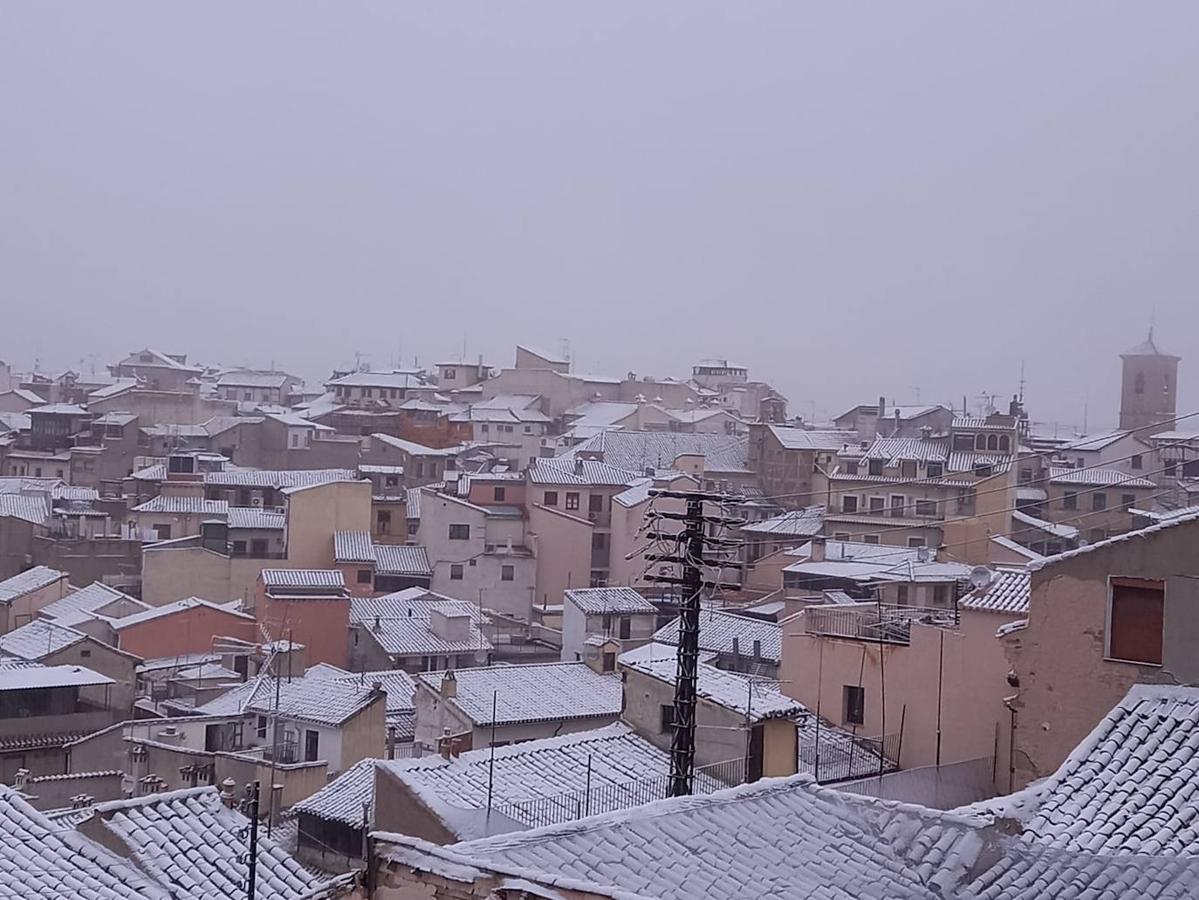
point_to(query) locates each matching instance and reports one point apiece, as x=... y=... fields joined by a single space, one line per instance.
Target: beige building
x=23 y=595
x=1101 y=618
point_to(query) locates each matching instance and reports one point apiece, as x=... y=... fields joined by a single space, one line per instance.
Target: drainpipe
x=1011 y=750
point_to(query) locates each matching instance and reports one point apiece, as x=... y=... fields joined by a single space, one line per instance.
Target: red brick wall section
x=321 y=625
x=187 y=631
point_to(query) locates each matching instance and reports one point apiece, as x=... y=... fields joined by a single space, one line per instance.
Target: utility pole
x=691 y=546
x=253 y=862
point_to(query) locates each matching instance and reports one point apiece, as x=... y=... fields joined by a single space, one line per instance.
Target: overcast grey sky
x=853 y=199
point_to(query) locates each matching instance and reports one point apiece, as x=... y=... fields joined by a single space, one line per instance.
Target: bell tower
x=1148 y=395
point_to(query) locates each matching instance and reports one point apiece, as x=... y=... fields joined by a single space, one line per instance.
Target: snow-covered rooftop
x=619 y=600
x=532 y=693
x=38 y=639
x=755 y=698
x=30 y=580
x=1008 y=592
x=717 y=630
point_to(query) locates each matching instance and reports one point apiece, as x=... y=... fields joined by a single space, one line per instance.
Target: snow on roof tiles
x=188 y=841
x=635 y=451
x=184 y=506
x=402 y=559
x=252 y=517
x=42 y=860
x=717 y=630
x=597 y=601
x=253 y=379
x=1131 y=786
x=398 y=684
x=796 y=523
x=584 y=472
x=353 y=546
x=95 y=599
x=792 y=438
x=326 y=701
x=303 y=578
x=32 y=509
x=38 y=639
x=1097 y=478
x=412 y=448
x=24 y=676
x=342 y=799
x=30 y=580
x=1008 y=592
x=401 y=623
x=528 y=773
x=278 y=478
x=755 y=698
x=532 y=693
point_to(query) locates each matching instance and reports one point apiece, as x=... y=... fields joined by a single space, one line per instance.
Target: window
x=364 y=576
x=1070 y=500
x=549 y=498
x=841 y=536
x=383 y=521
x=572 y=499
x=449 y=374
x=934 y=469
x=609 y=663
x=258 y=548
x=625 y=628
x=459 y=532
x=1169 y=468
x=528 y=429
x=312 y=743
x=162 y=532
x=456 y=572
x=239 y=548
x=1138 y=383
x=855 y=705
x=1026 y=476
x=849 y=504
x=875 y=467
x=992 y=442
x=940 y=595
x=1096 y=535
x=901 y=594
x=908 y=468
x=917 y=542
x=1098 y=501
x=963 y=442
x=391 y=481
x=877 y=505
x=667 y=717
x=851 y=467
x=485 y=428
x=897 y=506
x=413 y=528
x=500 y=493
x=982 y=470
x=595 y=503
x=1128 y=501
x=980 y=442
x=1135 y=618
x=85 y=653
x=1005 y=444
x=598 y=578
x=926 y=508
x=1136 y=462
x=870 y=539
x=261 y=727
x=599 y=540
x=420 y=470
x=507 y=573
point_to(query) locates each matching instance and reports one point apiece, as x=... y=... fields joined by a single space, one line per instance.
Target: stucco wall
x=562 y=545
x=1066 y=685
x=313 y=514
x=188 y=631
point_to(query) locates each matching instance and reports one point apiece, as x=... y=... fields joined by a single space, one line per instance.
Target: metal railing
x=875 y=621
x=595 y=799
x=831 y=755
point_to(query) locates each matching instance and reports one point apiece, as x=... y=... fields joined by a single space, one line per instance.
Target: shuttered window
x=1135 y=620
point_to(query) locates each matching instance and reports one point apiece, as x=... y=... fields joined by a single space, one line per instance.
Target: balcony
x=874 y=622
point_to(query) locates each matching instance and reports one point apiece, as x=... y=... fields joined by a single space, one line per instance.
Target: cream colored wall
x=176 y=573
x=968 y=537
x=562 y=545
x=365 y=735
x=315 y=513
x=972 y=681
x=25 y=607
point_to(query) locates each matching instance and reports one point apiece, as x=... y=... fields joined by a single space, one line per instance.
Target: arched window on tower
x=1138 y=383
x=980 y=442
x=993 y=442
x=1005 y=445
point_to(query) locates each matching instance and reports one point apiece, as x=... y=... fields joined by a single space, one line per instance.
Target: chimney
x=578 y=466
x=736 y=648
x=20 y=779
x=229 y=792
x=378 y=627
x=757 y=650
x=882 y=407
x=817 y=549
x=449 y=686
x=450 y=625
x=926 y=431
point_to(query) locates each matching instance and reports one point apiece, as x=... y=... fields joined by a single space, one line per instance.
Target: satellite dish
x=980 y=576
